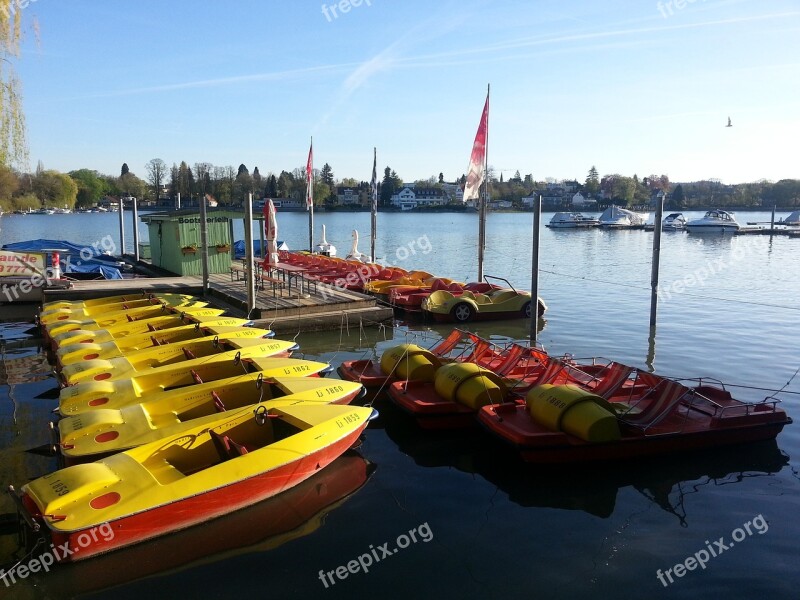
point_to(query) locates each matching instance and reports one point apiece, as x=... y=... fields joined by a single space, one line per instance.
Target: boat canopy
x=75 y=258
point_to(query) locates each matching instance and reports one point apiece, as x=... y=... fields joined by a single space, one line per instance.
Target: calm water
x=500 y=528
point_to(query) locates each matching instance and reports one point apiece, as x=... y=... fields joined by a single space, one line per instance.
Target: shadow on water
x=665 y=481
x=261 y=528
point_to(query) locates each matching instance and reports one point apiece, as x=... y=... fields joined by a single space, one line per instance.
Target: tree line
x=230 y=186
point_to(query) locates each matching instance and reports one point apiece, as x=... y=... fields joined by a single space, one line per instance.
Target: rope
x=9 y=384
x=640 y=287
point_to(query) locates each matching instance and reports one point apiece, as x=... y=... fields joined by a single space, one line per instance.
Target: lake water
x=500 y=529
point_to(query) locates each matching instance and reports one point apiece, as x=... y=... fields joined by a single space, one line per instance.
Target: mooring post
x=248 y=254
x=656 y=260
x=135 y=230
x=537 y=217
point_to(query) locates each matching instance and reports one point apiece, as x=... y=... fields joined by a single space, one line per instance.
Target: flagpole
x=310 y=196
x=374 y=208
x=482 y=201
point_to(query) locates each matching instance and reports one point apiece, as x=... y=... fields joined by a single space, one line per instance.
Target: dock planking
x=320 y=307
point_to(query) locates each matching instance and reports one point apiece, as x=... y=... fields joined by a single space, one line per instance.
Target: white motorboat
x=793 y=219
x=324 y=247
x=615 y=217
x=572 y=220
x=714 y=221
x=674 y=222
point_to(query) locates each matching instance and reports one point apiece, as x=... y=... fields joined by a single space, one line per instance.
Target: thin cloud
x=220 y=81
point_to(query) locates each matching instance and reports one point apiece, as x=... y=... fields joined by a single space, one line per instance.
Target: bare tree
x=156 y=172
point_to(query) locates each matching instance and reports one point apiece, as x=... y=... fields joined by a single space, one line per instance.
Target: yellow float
x=573 y=410
x=411 y=362
x=470 y=385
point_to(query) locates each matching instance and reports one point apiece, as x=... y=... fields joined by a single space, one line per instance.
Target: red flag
x=310 y=179
x=477 y=171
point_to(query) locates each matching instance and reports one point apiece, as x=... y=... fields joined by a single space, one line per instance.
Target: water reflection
x=665 y=481
x=261 y=528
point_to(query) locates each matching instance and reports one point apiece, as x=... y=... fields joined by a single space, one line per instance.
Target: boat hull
x=711 y=229
x=538 y=445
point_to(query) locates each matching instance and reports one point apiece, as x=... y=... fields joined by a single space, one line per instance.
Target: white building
x=411 y=197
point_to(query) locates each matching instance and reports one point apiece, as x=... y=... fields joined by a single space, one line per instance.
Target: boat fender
x=573 y=410
x=411 y=362
x=470 y=385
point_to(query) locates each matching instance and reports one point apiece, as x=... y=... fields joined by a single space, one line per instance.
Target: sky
x=630 y=87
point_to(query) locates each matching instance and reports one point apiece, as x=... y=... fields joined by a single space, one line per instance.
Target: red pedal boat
x=454 y=398
x=459 y=345
x=653 y=416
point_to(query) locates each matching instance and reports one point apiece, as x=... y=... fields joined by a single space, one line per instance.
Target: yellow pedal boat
x=92 y=302
x=165 y=321
x=92 y=312
x=91 y=395
x=72 y=353
x=205 y=472
x=141 y=361
x=121 y=316
x=105 y=431
x=415 y=278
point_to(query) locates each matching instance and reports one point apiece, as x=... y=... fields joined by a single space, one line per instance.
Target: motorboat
x=674 y=222
x=615 y=217
x=792 y=220
x=572 y=220
x=186 y=479
x=714 y=221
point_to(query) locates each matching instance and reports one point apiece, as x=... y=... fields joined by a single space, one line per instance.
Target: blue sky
x=626 y=86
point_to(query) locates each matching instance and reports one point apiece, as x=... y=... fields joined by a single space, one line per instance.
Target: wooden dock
x=788 y=231
x=282 y=309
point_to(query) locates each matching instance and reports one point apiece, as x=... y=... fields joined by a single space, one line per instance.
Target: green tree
x=91 y=186
x=387 y=187
x=678 y=199
x=130 y=185
x=327 y=175
x=13 y=142
x=55 y=189
x=592 y=183
x=271 y=189
x=9 y=183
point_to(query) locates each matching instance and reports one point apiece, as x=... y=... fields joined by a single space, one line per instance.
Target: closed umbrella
x=271 y=233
